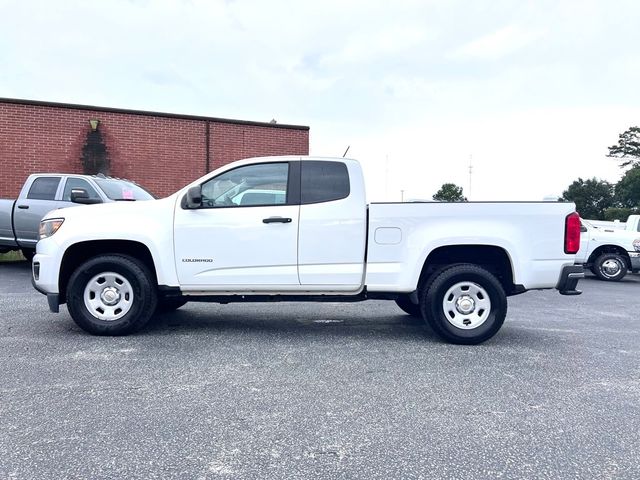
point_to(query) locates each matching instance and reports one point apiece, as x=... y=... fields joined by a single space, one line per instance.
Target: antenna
x=345 y=152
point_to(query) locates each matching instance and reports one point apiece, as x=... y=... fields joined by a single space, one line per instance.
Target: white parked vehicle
x=633 y=223
x=303 y=232
x=609 y=253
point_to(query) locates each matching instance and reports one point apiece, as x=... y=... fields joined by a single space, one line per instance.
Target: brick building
x=161 y=151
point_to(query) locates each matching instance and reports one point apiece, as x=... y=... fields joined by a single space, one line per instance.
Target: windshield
x=122 y=189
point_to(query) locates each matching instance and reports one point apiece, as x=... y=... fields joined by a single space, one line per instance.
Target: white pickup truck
x=608 y=252
x=299 y=229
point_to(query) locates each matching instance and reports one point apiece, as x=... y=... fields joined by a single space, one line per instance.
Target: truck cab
x=43 y=192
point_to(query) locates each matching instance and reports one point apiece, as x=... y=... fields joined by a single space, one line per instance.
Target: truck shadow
x=267 y=326
x=251 y=323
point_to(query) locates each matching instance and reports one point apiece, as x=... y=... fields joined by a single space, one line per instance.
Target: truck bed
x=403 y=235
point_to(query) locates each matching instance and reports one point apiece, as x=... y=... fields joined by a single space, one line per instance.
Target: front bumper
x=53 y=299
x=635 y=261
x=44 y=272
x=569 y=278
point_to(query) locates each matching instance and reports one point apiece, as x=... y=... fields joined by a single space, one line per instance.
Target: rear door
x=333 y=225
x=40 y=199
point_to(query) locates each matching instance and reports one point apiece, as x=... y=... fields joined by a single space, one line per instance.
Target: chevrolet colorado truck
x=609 y=253
x=299 y=229
x=20 y=218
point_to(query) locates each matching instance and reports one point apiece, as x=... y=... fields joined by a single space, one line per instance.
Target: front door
x=245 y=234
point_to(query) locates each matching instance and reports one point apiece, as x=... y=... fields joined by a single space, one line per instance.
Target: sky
x=529 y=93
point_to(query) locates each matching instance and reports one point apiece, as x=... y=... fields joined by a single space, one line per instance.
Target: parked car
x=609 y=253
x=42 y=192
x=307 y=235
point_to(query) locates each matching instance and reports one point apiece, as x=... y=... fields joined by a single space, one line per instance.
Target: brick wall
x=162 y=152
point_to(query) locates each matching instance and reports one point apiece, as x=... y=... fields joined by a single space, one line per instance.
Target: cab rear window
x=324 y=181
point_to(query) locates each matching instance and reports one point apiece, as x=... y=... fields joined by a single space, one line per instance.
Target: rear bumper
x=569 y=278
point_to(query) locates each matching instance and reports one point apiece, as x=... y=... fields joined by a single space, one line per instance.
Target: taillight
x=572 y=233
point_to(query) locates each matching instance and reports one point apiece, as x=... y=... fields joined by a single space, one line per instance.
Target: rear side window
x=323 y=181
x=44 y=188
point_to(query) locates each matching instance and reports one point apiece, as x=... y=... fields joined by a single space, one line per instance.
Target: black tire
x=116 y=278
x=28 y=253
x=407 y=306
x=170 y=304
x=478 y=291
x=611 y=267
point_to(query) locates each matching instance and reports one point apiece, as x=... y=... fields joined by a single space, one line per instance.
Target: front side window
x=264 y=184
x=44 y=188
x=324 y=181
x=78 y=183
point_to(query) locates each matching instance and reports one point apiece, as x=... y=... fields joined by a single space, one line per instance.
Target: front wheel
x=465 y=304
x=611 y=267
x=111 y=295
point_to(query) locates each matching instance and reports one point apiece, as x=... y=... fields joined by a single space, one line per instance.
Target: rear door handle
x=23 y=207
x=276 y=220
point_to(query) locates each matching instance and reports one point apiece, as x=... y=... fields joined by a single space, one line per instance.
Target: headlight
x=636 y=244
x=49 y=227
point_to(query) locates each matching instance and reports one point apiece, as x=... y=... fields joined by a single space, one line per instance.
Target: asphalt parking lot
x=322 y=391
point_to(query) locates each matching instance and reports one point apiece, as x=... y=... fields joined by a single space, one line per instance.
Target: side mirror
x=80 y=195
x=194 y=197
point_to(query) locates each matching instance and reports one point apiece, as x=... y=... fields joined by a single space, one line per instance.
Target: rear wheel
x=611 y=267
x=464 y=304
x=111 y=295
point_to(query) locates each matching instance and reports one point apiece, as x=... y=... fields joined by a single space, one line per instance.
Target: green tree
x=628 y=148
x=592 y=197
x=617 y=213
x=627 y=191
x=450 y=192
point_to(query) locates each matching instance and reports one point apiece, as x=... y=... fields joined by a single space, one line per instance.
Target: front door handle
x=276 y=220
x=23 y=207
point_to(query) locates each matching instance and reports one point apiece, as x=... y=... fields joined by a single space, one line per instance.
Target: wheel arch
x=609 y=249
x=78 y=253
x=493 y=258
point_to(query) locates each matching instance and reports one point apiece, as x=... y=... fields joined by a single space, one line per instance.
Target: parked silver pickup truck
x=43 y=192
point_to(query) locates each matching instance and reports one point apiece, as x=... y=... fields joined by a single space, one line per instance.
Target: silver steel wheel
x=611 y=267
x=466 y=305
x=108 y=296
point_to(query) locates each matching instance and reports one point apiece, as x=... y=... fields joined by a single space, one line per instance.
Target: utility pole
x=386 y=178
x=402 y=195
x=470 y=172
